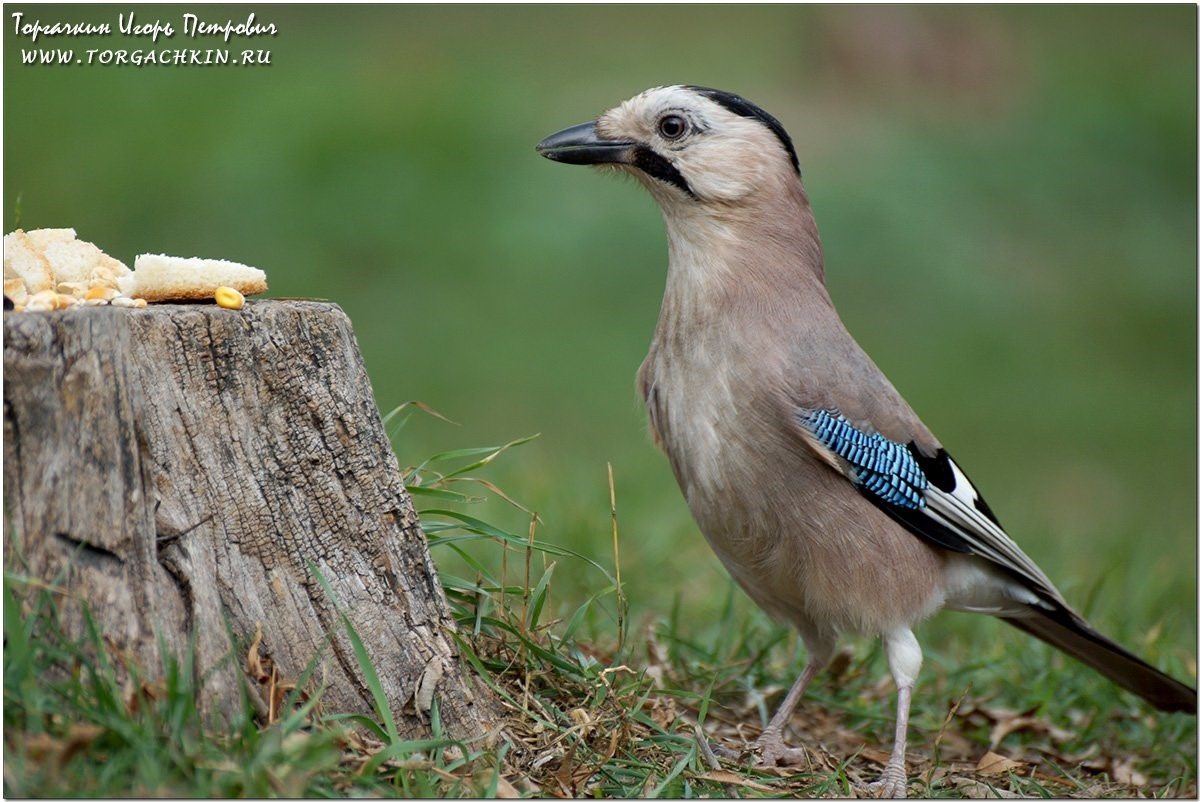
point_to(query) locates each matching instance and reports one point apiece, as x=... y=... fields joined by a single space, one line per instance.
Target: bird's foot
x=770 y=750
x=892 y=784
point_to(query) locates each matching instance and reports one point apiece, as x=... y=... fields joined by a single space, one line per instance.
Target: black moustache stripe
x=656 y=166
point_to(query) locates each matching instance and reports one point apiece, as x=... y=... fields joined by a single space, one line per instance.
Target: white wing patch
x=957 y=510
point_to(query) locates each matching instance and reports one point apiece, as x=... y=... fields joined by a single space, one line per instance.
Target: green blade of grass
x=442 y=493
x=382 y=707
x=538 y=598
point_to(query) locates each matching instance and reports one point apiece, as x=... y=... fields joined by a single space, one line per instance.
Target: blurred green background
x=1007 y=198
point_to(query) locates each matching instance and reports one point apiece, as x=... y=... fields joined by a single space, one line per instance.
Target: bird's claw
x=771 y=751
x=892 y=784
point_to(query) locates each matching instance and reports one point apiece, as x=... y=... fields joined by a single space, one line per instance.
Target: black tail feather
x=1065 y=630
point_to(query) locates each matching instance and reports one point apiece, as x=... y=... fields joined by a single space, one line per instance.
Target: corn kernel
x=123 y=300
x=99 y=293
x=229 y=298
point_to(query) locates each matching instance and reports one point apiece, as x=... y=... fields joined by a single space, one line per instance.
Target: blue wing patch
x=879 y=466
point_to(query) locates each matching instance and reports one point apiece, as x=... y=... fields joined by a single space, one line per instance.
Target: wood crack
x=91 y=549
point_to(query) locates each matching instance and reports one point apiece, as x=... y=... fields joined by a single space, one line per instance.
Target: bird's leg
x=904 y=660
x=893 y=784
x=769 y=745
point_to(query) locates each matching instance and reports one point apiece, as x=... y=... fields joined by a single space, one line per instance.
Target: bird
x=815 y=483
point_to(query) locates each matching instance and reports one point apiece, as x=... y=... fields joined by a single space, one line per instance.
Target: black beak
x=580 y=144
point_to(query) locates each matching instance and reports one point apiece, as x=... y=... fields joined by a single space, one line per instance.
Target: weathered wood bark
x=182 y=468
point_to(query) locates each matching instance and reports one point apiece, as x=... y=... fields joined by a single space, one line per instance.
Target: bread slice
x=158 y=277
x=76 y=260
x=24 y=260
x=41 y=237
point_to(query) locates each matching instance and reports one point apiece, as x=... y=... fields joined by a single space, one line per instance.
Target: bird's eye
x=672 y=126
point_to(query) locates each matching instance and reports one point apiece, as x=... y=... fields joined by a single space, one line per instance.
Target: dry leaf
x=663 y=711
x=423 y=695
x=973 y=789
x=564 y=772
x=992 y=764
x=254 y=665
x=730 y=778
x=1010 y=725
x=1123 y=772
x=613 y=740
x=506 y=790
x=582 y=720
x=875 y=755
x=1119 y=769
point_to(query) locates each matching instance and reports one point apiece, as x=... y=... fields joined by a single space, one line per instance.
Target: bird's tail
x=1066 y=630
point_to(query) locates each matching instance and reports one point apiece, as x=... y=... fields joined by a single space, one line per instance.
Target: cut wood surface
x=183 y=469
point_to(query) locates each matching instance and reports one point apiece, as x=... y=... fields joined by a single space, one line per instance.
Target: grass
x=595 y=704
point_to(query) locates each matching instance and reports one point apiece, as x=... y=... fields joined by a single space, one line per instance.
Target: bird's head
x=693 y=148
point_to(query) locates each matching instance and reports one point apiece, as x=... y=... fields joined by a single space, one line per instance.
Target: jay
x=827 y=499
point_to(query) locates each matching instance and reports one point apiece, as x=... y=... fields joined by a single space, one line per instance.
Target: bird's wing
x=928 y=495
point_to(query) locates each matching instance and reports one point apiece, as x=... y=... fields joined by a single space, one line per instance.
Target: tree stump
x=182 y=469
